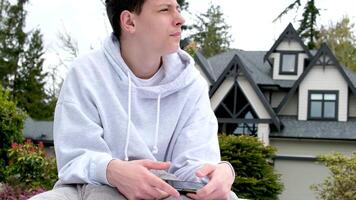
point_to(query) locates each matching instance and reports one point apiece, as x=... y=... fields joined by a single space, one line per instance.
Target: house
x=302 y=102
x=40 y=131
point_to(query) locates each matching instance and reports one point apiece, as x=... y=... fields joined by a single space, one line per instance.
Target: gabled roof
x=350 y=74
x=323 y=57
x=260 y=71
x=205 y=66
x=233 y=68
x=288 y=34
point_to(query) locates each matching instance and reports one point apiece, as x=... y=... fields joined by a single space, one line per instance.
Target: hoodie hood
x=179 y=71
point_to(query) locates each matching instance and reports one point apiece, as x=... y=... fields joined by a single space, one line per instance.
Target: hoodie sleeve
x=82 y=154
x=81 y=151
x=197 y=143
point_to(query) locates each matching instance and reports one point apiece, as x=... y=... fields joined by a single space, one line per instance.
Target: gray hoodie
x=102 y=115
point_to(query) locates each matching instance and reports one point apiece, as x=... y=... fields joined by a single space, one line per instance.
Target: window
x=246 y=128
x=288 y=63
x=323 y=105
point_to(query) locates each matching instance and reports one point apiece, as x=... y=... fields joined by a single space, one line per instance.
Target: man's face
x=158 y=26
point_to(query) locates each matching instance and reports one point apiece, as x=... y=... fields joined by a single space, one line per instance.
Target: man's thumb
x=150 y=164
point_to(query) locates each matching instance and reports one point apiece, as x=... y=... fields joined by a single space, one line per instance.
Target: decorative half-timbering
x=251 y=93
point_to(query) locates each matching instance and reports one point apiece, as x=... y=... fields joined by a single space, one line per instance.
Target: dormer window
x=288 y=63
x=288 y=53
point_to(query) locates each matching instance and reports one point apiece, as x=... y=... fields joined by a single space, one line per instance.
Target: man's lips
x=176 y=34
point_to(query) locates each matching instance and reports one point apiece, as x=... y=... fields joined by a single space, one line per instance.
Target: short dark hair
x=114 y=9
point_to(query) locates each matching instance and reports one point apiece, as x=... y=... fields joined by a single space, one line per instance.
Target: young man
x=136 y=106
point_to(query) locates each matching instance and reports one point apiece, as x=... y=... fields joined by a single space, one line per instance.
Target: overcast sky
x=250 y=20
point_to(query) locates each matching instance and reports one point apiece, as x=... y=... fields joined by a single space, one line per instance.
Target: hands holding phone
x=134 y=180
x=140 y=183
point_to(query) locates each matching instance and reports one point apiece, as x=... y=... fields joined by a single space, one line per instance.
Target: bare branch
x=68 y=44
x=290 y=7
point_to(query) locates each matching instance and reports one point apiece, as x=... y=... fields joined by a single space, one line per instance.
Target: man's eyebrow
x=169 y=5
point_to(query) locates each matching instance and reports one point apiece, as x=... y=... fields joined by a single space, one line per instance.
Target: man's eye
x=164 y=10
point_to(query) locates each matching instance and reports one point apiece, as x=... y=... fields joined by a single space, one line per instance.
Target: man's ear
x=127 y=21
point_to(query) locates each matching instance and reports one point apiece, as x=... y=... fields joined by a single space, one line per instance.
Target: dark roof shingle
x=294 y=128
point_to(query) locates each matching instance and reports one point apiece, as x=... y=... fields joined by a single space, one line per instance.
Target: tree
x=212 y=33
x=307 y=27
x=30 y=84
x=341 y=41
x=21 y=61
x=12 y=41
x=341 y=183
x=183 y=4
x=255 y=177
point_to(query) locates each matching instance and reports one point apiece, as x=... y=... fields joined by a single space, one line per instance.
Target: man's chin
x=173 y=49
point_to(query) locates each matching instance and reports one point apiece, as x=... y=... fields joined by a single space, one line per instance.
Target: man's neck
x=142 y=62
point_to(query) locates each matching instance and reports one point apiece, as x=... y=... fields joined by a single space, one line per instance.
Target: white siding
x=323 y=79
x=289 y=46
x=221 y=92
x=277 y=98
x=352 y=105
x=277 y=76
x=291 y=108
x=298 y=175
x=263 y=131
x=253 y=98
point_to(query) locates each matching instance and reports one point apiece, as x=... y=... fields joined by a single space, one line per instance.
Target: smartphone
x=184 y=187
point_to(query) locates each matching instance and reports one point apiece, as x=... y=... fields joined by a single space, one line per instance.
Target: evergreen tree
x=30 y=93
x=255 y=176
x=212 y=35
x=183 y=4
x=341 y=40
x=21 y=61
x=307 y=27
x=2 y=8
x=12 y=41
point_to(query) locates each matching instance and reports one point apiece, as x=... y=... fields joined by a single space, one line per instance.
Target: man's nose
x=179 y=19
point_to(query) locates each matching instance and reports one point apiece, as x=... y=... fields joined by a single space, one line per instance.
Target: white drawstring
x=128 y=131
x=128 y=118
x=155 y=148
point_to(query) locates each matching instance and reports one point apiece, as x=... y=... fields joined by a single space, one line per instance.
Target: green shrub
x=255 y=177
x=30 y=166
x=341 y=184
x=11 y=125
